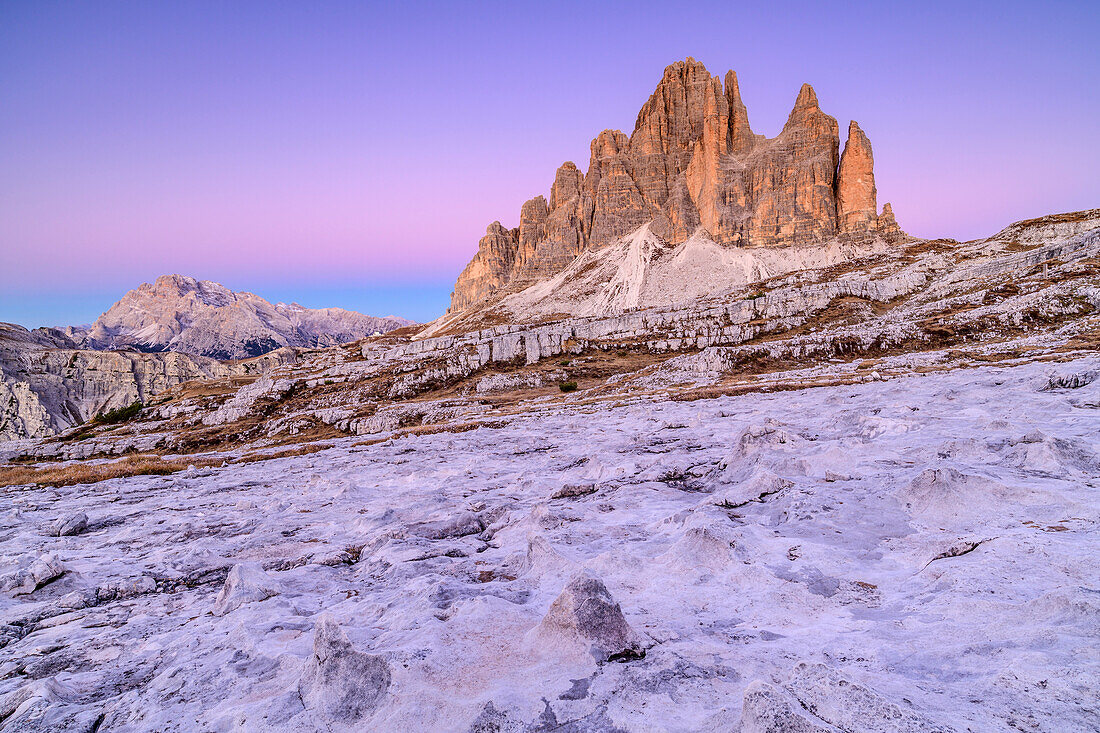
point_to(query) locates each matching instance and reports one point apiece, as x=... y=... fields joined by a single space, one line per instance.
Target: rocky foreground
x=781 y=469
x=915 y=553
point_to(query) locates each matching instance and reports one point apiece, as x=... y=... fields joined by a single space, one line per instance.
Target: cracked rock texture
x=912 y=552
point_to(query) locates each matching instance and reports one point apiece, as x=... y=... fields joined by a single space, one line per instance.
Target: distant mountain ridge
x=201 y=317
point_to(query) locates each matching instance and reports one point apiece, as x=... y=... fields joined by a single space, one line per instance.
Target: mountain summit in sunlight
x=693 y=167
x=178 y=313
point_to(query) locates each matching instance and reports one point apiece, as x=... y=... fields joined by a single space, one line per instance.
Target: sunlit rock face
x=692 y=162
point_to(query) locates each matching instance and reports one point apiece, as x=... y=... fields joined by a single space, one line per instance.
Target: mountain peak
x=807 y=98
x=692 y=161
x=181 y=313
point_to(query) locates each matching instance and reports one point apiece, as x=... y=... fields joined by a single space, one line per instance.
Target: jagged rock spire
x=804 y=105
x=856 y=196
x=567 y=185
x=740 y=139
x=692 y=160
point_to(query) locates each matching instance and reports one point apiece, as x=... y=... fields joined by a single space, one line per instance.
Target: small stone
x=570 y=491
x=459 y=525
x=246 y=583
x=71 y=524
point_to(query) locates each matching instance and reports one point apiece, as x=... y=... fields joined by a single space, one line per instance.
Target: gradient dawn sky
x=351 y=154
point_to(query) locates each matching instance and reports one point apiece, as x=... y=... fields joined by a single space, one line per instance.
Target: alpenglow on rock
x=178 y=313
x=692 y=162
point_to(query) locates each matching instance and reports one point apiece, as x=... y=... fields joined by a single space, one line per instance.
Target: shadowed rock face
x=692 y=161
x=48 y=385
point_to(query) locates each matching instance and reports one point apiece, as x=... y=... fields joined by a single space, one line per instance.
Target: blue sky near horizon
x=351 y=154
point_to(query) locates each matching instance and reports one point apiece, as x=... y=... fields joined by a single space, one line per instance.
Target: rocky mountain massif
x=48 y=385
x=204 y=318
x=692 y=167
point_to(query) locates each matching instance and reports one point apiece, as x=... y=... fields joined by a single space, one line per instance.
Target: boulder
x=70 y=524
x=340 y=683
x=33 y=575
x=585 y=614
x=246 y=583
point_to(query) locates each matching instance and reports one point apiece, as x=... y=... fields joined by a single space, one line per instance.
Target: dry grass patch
x=139 y=465
x=302 y=450
x=79 y=473
x=461 y=427
x=931 y=245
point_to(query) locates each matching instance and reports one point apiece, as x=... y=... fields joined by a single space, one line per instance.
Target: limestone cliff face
x=692 y=161
x=47 y=386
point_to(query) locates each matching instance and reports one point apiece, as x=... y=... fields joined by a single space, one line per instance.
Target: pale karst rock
x=459 y=525
x=31 y=574
x=340 y=683
x=246 y=583
x=771 y=709
x=830 y=696
x=586 y=615
x=70 y=524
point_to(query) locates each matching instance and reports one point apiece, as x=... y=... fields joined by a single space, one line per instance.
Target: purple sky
x=352 y=154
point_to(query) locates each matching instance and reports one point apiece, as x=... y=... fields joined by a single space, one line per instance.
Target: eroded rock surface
x=760 y=544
